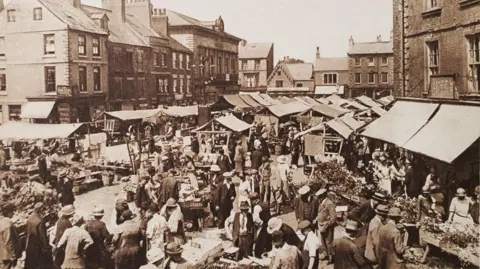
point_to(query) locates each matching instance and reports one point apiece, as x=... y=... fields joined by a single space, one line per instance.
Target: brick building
x=370 y=67
x=437 y=48
x=330 y=74
x=255 y=64
x=291 y=79
x=215 y=55
x=61 y=68
x=139 y=63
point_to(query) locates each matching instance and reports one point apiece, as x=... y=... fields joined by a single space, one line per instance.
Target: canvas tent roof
x=386 y=100
x=179 y=111
x=249 y=100
x=288 y=109
x=230 y=122
x=351 y=122
x=336 y=124
x=269 y=99
x=37 y=110
x=236 y=101
x=448 y=134
x=327 y=110
x=31 y=131
x=126 y=115
x=368 y=101
x=261 y=100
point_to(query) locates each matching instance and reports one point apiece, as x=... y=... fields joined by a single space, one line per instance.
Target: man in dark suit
x=256 y=158
x=37 y=248
x=194 y=145
x=97 y=253
x=168 y=189
x=347 y=254
x=10 y=249
x=326 y=220
x=223 y=162
x=290 y=236
x=412 y=185
x=225 y=197
x=366 y=211
x=142 y=199
x=65 y=189
x=242 y=231
x=392 y=241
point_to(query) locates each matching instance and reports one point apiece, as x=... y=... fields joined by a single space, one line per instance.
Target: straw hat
x=173 y=248
x=274 y=224
x=244 y=205
x=98 y=212
x=304 y=190
x=352 y=225
x=380 y=197
x=282 y=159
x=215 y=168
x=460 y=192
x=63 y=173
x=171 y=203
x=382 y=210
x=227 y=174
x=155 y=254
x=67 y=210
x=320 y=192
x=394 y=212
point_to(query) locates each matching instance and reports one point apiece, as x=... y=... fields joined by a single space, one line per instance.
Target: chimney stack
x=2 y=6
x=76 y=3
x=117 y=7
x=141 y=9
x=243 y=43
x=379 y=38
x=351 y=42
x=318 y=52
x=160 y=21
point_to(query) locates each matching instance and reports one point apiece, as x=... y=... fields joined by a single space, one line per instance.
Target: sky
x=296 y=27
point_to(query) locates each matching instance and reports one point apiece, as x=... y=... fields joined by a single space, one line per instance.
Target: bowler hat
x=382 y=210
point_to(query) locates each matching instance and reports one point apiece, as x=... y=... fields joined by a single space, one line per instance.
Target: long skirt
x=239 y=166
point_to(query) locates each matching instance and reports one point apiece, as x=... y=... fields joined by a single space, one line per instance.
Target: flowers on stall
x=329 y=158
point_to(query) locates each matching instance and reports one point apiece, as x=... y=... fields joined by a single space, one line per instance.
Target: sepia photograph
x=239 y=134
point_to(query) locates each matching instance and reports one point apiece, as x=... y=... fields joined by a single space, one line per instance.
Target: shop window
x=2 y=46
x=3 y=82
x=14 y=112
x=82 y=78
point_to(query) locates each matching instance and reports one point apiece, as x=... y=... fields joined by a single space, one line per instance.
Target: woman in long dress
x=127 y=243
x=460 y=208
x=383 y=176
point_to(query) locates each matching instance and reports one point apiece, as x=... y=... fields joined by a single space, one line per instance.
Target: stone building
x=330 y=74
x=370 y=66
x=437 y=48
x=291 y=79
x=215 y=55
x=255 y=64
x=53 y=55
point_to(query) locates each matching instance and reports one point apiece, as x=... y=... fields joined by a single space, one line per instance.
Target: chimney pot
x=379 y=38
x=2 y=6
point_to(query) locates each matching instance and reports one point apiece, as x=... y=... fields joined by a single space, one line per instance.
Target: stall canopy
x=368 y=101
x=448 y=134
x=337 y=100
x=228 y=121
x=126 y=115
x=323 y=100
x=355 y=105
x=329 y=89
x=340 y=127
x=269 y=99
x=179 y=111
x=401 y=123
x=379 y=111
x=37 y=110
x=385 y=101
x=236 y=101
x=31 y=131
x=288 y=109
x=351 y=122
x=327 y=111
x=261 y=100
x=250 y=101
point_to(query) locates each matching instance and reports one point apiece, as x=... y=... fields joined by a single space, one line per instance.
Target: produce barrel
x=278 y=149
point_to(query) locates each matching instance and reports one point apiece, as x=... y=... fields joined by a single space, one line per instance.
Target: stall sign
x=65 y=112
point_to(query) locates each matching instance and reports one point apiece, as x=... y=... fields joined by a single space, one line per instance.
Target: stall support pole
x=127 y=142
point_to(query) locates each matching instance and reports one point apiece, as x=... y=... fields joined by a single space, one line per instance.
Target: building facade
x=437 y=48
x=370 y=66
x=255 y=64
x=330 y=74
x=291 y=79
x=215 y=55
x=61 y=66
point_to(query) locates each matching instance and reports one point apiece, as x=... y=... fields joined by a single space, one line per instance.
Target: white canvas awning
x=230 y=122
x=31 y=131
x=126 y=115
x=329 y=89
x=37 y=110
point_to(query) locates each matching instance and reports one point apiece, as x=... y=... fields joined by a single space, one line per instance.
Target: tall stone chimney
x=160 y=21
x=76 y=3
x=351 y=42
x=117 y=7
x=318 y=52
x=379 y=38
x=2 y=6
x=141 y=10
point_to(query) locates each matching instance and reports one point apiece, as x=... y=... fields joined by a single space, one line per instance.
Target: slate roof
x=75 y=18
x=300 y=71
x=331 y=64
x=254 y=50
x=142 y=29
x=371 y=48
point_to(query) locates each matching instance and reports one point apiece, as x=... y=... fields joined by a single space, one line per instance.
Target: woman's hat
x=173 y=248
x=304 y=190
x=274 y=224
x=352 y=225
x=282 y=159
x=244 y=205
x=67 y=210
x=171 y=203
x=227 y=174
x=215 y=168
x=382 y=210
x=98 y=212
x=461 y=192
x=394 y=212
x=379 y=197
x=155 y=254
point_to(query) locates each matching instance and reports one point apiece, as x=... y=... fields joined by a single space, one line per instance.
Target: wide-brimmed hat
x=63 y=173
x=155 y=254
x=394 y=212
x=244 y=205
x=228 y=175
x=380 y=197
x=215 y=168
x=77 y=219
x=173 y=248
x=352 y=225
x=171 y=203
x=425 y=190
x=254 y=196
x=274 y=224
x=32 y=168
x=153 y=208
x=282 y=159
x=461 y=192
x=320 y=192
x=98 y=212
x=304 y=190
x=304 y=224
x=67 y=210
x=382 y=210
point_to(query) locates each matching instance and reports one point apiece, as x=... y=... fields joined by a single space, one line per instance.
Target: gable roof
x=331 y=64
x=300 y=71
x=254 y=50
x=119 y=32
x=75 y=18
x=371 y=48
x=143 y=30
